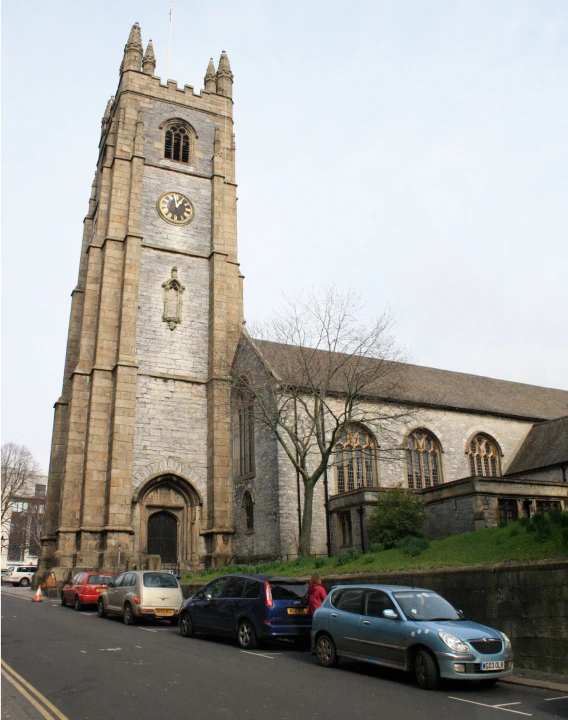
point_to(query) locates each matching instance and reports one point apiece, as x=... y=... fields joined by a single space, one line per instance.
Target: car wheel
x=24 y=582
x=77 y=604
x=426 y=670
x=128 y=617
x=101 y=612
x=326 y=653
x=63 y=600
x=185 y=625
x=246 y=635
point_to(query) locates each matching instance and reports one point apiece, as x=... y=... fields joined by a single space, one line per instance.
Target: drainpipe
x=298 y=474
x=326 y=490
x=361 y=514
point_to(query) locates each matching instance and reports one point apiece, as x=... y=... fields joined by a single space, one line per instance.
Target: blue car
x=249 y=608
x=409 y=628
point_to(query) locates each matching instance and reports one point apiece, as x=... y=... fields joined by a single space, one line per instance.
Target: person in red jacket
x=316 y=593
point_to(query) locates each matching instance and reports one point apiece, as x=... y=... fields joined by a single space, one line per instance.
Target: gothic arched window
x=484 y=456
x=179 y=139
x=355 y=460
x=243 y=436
x=423 y=460
x=248 y=504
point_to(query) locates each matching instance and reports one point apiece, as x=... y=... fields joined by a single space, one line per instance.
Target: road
x=80 y=667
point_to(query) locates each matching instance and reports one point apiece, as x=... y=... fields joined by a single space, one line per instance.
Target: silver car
x=142 y=593
x=20 y=575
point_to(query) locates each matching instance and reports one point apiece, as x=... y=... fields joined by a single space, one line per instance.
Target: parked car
x=142 y=593
x=250 y=608
x=20 y=575
x=410 y=628
x=85 y=588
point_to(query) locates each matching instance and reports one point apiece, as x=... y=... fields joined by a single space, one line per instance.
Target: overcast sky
x=416 y=150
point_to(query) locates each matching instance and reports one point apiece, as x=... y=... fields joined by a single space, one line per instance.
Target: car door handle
x=366 y=622
x=333 y=614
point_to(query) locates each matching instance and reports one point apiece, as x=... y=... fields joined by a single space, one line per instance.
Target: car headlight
x=453 y=642
x=508 y=645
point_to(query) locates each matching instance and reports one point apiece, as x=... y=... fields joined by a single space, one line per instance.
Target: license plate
x=498 y=665
x=297 y=611
x=161 y=611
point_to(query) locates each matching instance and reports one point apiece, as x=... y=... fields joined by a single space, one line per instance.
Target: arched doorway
x=163 y=536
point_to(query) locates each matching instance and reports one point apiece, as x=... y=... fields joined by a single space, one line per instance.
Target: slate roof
x=431 y=387
x=545 y=445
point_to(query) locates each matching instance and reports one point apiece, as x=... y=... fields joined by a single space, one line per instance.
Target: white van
x=20 y=575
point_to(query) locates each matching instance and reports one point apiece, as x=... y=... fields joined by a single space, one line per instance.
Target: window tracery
x=354 y=460
x=484 y=457
x=423 y=460
x=179 y=142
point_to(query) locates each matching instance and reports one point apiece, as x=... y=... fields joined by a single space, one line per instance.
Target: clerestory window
x=355 y=460
x=423 y=460
x=243 y=436
x=484 y=457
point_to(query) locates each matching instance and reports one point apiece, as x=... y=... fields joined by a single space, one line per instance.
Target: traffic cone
x=37 y=597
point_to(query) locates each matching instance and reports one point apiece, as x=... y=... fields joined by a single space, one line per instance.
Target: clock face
x=176 y=208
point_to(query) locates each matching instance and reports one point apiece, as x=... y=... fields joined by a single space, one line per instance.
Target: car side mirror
x=390 y=614
x=207 y=597
x=111 y=584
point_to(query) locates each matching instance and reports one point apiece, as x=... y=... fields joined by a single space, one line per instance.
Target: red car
x=85 y=588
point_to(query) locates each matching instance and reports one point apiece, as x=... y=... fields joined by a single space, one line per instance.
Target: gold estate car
x=142 y=593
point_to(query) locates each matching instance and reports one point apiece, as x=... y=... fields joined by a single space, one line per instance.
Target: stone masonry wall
x=528 y=601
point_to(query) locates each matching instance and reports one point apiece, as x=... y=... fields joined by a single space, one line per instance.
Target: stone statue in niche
x=173 y=291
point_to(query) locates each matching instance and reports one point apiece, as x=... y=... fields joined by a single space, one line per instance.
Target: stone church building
x=146 y=458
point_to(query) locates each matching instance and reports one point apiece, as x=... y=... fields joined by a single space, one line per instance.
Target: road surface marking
x=110 y=649
x=92 y=614
x=139 y=647
x=19 y=683
x=493 y=707
x=148 y=629
x=561 y=697
x=257 y=654
x=506 y=704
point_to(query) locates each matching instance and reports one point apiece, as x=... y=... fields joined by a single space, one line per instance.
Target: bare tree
x=19 y=470
x=316 y=368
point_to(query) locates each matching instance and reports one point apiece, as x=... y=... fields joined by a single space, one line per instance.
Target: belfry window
x=248 y=504
x=178 y=142
x=484 y=457
x=243 y=437
x=355 y=460
x=423 y=460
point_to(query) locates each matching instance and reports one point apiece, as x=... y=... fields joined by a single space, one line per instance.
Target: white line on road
x=147 y=629
x=506 y=704
x=139 y=647
x=561 y=697
x=88 y=614
x=493 y=707
x=257 y=654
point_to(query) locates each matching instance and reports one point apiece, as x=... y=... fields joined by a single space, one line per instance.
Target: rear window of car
x=160 y=580
x=288 y=591
x=100 y=579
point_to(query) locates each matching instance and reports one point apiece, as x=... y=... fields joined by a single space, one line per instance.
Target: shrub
x=502 y=524
x=412 y=546
x=369 y=558
x=376 y=547
x=514 y=531
x=564 y=536
x=348 y=556
x=320 y=562
x=524 y=521
x=396 y=515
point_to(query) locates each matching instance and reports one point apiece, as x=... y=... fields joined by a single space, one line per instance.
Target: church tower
x=140 y=460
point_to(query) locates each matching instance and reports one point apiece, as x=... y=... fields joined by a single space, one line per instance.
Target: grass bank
x=544 y=537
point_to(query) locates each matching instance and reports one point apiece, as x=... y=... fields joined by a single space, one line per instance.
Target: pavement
x=531 y=678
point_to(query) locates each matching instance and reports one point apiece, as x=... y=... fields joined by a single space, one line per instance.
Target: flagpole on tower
x=169 y=41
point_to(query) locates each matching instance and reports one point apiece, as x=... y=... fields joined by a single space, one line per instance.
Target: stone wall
x=528 y=601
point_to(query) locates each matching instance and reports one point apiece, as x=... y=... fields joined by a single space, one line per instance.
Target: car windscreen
x=160 y=580
x=424 y=605
x=288 y=591
x=100 y=579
